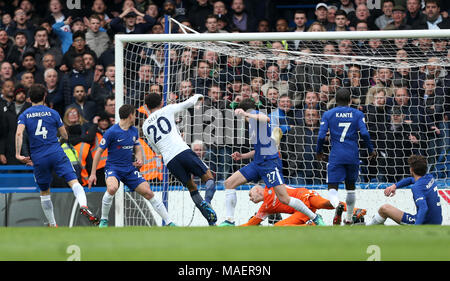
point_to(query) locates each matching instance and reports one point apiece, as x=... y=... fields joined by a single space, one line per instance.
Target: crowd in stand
x=71 y=52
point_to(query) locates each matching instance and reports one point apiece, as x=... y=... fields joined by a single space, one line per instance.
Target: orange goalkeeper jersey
x=272 y=205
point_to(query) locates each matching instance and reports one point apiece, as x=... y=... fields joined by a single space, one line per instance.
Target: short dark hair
x=247 y=104
x=153 y=100
x=125 y=111
x=37 y=93
x=340 y=13
x=418 y=164
x=77 y=34
x=343 y=96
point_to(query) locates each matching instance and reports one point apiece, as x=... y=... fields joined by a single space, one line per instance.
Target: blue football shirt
x=344 y=123
x=41 y=124
x=120 y=145
x=426 y=199
x=264 y=146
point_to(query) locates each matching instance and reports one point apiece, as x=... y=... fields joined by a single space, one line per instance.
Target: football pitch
x=342 y=243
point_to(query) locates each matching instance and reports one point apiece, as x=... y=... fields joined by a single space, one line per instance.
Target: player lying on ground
x=164 y=138
x=344 y=124
x=426 y=198
x=42 y=125
x=266 y=165
x=272 y=205
x=121 y=140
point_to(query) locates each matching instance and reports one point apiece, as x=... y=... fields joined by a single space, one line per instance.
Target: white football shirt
x=162 y=132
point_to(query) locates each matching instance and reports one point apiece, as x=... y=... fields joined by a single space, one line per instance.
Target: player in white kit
x=164 y=138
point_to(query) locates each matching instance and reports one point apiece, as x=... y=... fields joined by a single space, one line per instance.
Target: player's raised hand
x=92 y=180
x=390 y=190
x=239 y=111
x=236 y=156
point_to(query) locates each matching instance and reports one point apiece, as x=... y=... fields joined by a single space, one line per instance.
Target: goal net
x=400 y=80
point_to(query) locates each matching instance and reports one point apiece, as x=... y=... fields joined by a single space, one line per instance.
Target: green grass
x=404 y=243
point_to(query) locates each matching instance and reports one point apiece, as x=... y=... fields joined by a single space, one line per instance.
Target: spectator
x=15 y=54
x=56 y=13
x=273 y=80
x=357 y=86
x=78 y=129
x=9 y=123
x=331 y=14
x=272 y=96
x=300 y=20
x=29 y=66
x=433 y=18
x=301 y=150
x=78 y=48
x=340 y=23
x=140 y=87
x=321 y=14
x=214 y=99
x=242 y=19
x=6 y=72
x=198 y=13
x=398 y=19
x=362 y=13
x=104 y=87
x=22 y=24
x=87 y=108
x=96 y=40
x=185 y=90
x=383 y=78
x=126 y=22
x=377 y=116
x=77 y=76
x=347 y=6
x=401 y=142
x=202 y=80
x=211 y=25
x=263 y=26
x=42 y=46
x=386 y=17
x=65 y=30
x=414 y=12
x=54 y=98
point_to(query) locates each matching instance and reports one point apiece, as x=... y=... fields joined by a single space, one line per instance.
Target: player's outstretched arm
x=19 y=138
x=62 y=131
x=259 y=117
x=236 y=156
x=190 y=102
x=390 y=190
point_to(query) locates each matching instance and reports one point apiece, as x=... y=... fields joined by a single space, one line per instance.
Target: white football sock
x=333 y=197
x=160 y=209
x=350 y=200
x=230 y=203
x=79 y=193
x=107 y=201
x=301 y=207
x=377 y=219
x=47 y=207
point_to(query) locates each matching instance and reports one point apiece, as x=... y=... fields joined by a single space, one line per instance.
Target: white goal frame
x=121 y=39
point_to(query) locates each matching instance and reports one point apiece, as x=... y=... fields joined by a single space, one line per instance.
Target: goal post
x=222 y=133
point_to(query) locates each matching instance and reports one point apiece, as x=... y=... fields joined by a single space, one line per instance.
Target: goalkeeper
x=272 y=205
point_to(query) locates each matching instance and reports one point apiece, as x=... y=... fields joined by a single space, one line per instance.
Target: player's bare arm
x=138 y=152
x=259 y=117
x=93 y=176
x=19 y=138
x=63 y=132
x=236 y=156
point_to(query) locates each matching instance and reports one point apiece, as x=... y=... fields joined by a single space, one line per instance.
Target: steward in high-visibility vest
x=72 y=154
x=83 y=150
x=152 y=167
x=104 y=156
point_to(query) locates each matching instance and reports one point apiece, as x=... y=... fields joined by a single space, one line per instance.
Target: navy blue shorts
x=270 y=171
x=131 y=178
x=337 y=173
x=43 y=167
x=186 y=164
